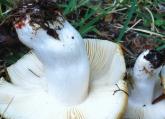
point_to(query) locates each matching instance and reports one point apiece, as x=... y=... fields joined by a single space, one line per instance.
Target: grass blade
x=130 y=14
x=160 y=47
x=71 y=6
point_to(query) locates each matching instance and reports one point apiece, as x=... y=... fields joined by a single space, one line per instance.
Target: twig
x=6 y=12
x=152 y=17
x=120 y=90
x=148 y=32
x=134 y=25
x=115 y=11
x=144 y=31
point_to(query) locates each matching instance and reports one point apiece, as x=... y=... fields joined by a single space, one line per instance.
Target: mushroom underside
x=27 y=98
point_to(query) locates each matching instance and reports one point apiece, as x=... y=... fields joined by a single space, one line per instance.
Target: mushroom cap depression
x=26 y=96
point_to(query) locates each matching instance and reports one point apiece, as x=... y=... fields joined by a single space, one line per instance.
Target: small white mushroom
x=146 y=87
x=67 y=78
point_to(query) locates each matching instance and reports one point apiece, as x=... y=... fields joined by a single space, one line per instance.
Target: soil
x=43 y=12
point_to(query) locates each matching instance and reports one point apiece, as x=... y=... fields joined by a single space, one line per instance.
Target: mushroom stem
x=68 y=76
x=144 y=76
x=64 y=59
x=68 y=82
x=143 y=91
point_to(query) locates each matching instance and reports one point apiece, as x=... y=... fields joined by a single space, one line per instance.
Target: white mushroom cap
x=27 y=97
x=145 y=89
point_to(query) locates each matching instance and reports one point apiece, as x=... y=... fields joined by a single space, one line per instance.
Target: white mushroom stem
x=144 y=80
x=64 y=59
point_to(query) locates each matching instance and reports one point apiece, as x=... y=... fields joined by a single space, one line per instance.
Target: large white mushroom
x=146 y=88
x=66 y=77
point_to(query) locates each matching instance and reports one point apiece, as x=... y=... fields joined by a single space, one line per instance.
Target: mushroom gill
x=64 y=76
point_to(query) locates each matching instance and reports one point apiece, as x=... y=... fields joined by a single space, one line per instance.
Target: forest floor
x=136 y=25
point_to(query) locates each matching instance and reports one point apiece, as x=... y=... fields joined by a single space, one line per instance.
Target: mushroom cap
x=27 y=98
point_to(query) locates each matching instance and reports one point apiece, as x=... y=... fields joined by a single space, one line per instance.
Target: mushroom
x=64 y=76
x=146 y=86
x=163 y=78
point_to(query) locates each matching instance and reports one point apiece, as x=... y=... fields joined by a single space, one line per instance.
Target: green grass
x=92 y=16
x=128 y=19
x=152 y=25
x=5 y=6
x=85 y=17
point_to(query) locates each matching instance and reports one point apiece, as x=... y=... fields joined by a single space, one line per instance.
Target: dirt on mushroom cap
x=41 y=12
x=155 y=58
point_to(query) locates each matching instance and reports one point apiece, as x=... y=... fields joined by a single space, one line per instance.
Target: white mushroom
x=146 y=87
x=162 y=75
x=65 y=78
